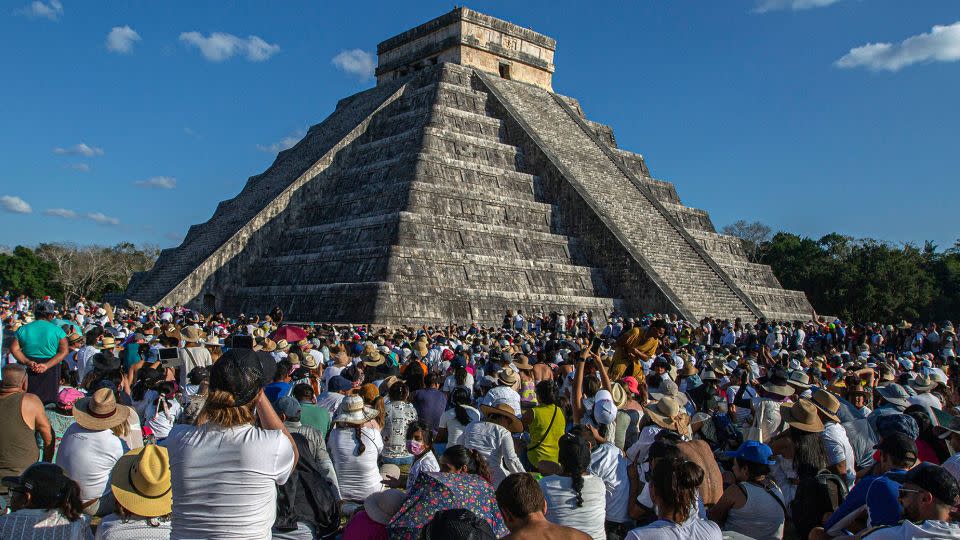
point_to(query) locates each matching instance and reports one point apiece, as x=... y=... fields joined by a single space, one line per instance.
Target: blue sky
x=130 y=121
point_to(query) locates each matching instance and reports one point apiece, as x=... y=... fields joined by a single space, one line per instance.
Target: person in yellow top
x=546 y=425
x=635 y=346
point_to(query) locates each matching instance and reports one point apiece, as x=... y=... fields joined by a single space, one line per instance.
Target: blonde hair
x=219 y=408
x=121 y=430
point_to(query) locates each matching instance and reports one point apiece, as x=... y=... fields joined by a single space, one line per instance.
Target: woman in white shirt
x=354 y=450
x=493 y=440
x=673 y=487
x=398 y=414
x=454 y=421
x=164 y=411
x=575 y=498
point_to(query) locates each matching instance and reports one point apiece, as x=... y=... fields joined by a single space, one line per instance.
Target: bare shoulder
x=32 y=402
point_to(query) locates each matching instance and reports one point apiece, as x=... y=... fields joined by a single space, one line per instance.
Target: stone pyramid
x=458 y=187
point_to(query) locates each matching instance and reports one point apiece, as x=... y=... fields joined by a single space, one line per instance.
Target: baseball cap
x=604 y=410
x=935 y=479
x=752 y=451
x=287 y=406
x=339 y=383
x=46 y=483
x=898 y=446
x=240 y=372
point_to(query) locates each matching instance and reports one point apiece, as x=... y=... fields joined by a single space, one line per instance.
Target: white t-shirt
x=427 y=463
x=162 y=422
x=88 y=458
x=450 y=383
x=562 y=504
x=454 y=428
x=693 y=528
x=838 y=448
x=330 y=372
x=927 y=400
x=608 y=463
x=909 y=531
x=358 y=475
x=225 y=480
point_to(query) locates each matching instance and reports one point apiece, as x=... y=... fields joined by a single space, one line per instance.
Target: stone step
x=747 y=273
x=677 y=261
x=691 y=218
x=719 y=244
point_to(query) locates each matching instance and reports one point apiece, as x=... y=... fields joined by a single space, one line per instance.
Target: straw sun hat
x=141 y=481
x=667 y=413
x=802 y=415
x=503 y=410
x=100 y=411
x=353 y=411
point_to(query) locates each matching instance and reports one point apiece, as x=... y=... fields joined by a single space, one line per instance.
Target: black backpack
x=815 y=496
x=306 y=496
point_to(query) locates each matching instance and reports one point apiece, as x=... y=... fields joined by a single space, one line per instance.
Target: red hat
x=631 y=384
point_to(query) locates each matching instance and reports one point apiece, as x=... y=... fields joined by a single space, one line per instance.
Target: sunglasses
x=903 y=492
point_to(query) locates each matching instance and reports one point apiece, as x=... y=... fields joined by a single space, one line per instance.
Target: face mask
x=415 y=447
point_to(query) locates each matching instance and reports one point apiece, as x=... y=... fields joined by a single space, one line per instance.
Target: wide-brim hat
x=508 y=377
x=353 y=411
x=141 y=481
x=669 y=389
x=523 y=363
x=688 y=369
x=381 y=506
x=373 y=358
x=308 y=361
x=108 y=342
x=100 y=411
x=191 y=334
x=618 y=394
x=666 y=413
x=503 y=410
x=212 y=341
x=923 y=383
x=269 y=345
x=282 y=345
x=778 y=386
x=799 y=379
x=828 y=404
x=802 y=415
x=894 y=394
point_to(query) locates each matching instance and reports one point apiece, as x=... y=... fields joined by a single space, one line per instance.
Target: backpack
x=306 y=496
x=815 y=496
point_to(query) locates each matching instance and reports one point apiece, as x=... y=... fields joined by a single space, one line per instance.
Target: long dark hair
x=574 y=457
x=546 y=392
x=675 y=482
x=460 y=397
x=809 y=455
x=459 y=456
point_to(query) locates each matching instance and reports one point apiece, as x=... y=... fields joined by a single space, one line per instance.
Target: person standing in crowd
x=523 y=507
x=40 y=346
x=225 y=471
x=45 y=506
x=22 y=420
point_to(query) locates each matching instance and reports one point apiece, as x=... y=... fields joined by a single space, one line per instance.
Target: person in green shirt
x=41 y=346
x=310 y=413
x=546 y=424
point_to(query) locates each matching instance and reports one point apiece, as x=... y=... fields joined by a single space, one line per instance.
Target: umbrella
x=434 y=492
x=290 y=333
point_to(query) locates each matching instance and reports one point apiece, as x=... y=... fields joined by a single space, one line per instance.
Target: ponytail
x=460 y=457
x=460 y=396
x=675 y=482
x=71 y=506
x=358 y=434
x=574 y=457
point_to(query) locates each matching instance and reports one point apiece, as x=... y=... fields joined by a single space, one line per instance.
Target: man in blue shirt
x=877 y=495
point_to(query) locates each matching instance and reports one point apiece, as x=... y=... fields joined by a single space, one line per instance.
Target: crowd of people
x=139 y=422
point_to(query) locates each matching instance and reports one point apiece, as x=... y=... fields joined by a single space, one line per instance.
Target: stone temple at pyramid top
x=471 y=39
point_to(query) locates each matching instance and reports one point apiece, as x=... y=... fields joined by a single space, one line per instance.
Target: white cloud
x=161 y=182
x=51 y=10
x=102 y=219
x=282 y=144
x=355 y=62
x=15 y=205
x=941 y=44
x=82 y=167
x=61 y=212
x=79 y=149
x=121 y=39
x=763 y=6
x=220 y=46
x=191 y=132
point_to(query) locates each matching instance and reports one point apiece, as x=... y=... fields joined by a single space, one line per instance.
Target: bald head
x=14 y=376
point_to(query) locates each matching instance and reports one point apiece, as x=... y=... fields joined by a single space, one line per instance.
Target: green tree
x=23 y=272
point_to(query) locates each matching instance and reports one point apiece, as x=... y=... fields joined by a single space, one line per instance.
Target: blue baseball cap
x=752 y=451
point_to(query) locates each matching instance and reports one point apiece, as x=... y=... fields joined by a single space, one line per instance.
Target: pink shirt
x=361 y=526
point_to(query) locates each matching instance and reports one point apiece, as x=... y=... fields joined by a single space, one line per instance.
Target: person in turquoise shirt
x=310 y=413
x=41 y=346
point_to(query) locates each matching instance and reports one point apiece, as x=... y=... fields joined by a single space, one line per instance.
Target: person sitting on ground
x=457 y=523
x=456 y=419
x=310 y=413
x=523 y=507
x=929 y=493
x=460 y=459
x=398 y=415
x=165 y=410
x=575 y=497
x=141 y=488
x=673 y=489
x=22 y=418
x=370 y=523
x=61 y=416
x=545 y=423
x=225 y=471
x=493 y=440
x=753 y=506
x=355 y=450
x=91 y=447
x=45 y=505
x=420 y=446
x=290 y=412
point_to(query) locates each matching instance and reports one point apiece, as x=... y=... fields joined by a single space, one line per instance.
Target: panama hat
x=503 y=410
x=666 y=413
x=508 y=377
x=269 y=345
x=107 y=342
x=141 y=481
x=353 y=411
x=802 y=415
x=618 y=394
x=777 y=384
x=799 y=379
x=383 y=505
x=923 y=383
x=308 y=361
x=191 y=334
x=523 y=363
x=828 y=404
x=100 y=411
x=371 y=356
x=688 y=369
x=283 y=345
